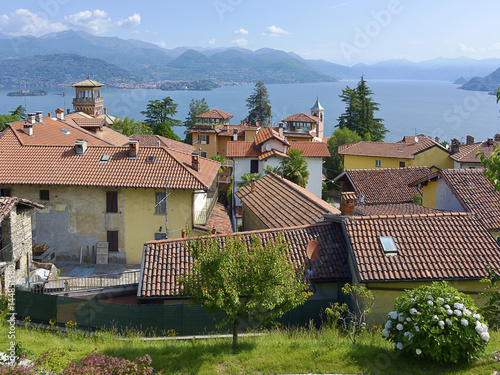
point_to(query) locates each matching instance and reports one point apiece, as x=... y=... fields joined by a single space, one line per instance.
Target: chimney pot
x=39 y=116
x=31 y=118
x=436 y=139
x=28 y=129
x=80 y=146
x=252 y=185
x=49 y=114
x=281 y=129
x=183 y=233
x=195 y=160
x=490 y=141
x=67 y=111
x=133 y=148
x=497 y=137
x=105 y=111
x=455 y=145
x=214 y=231
x=470 y=140
x=60 y=114
x=347 y=203
x=235 y=134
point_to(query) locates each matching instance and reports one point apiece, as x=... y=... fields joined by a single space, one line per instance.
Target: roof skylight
x=388 y=244
x=65 y=131
x=105 y=158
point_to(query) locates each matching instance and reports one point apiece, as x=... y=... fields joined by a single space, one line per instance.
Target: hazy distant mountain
x=58 y=69
x=488 y=83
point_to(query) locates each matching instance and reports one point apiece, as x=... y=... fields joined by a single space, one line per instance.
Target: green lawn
x=278 y=351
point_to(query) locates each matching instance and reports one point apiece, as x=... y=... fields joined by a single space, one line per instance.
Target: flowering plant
x=437 y=322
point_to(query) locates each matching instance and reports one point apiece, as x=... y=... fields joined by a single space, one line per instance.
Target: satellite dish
x=268 y=147
x=416 y=139
x=313 y=250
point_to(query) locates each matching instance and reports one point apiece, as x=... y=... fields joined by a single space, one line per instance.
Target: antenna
x=25 y=104
x=64 y=98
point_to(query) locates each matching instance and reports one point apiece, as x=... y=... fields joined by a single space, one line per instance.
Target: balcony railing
x=87 y=100
x=201 y=216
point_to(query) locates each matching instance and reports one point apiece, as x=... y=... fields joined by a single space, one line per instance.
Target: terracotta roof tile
x=58 y=165
x=88 y=122
x=267 y=133
x=312 y=149
x=432 y=247
x=268 y=154
x=467 y=153
x=7 y=203
x=393 y=209
x=302 y=117
x=475 y=193
x=241 y=149
x=219 y=219
x=384 y=185
x=404 y=149
x=153 y=139
x=280 y=203
x=170 y=258
x=215 y=113
x=112 y=136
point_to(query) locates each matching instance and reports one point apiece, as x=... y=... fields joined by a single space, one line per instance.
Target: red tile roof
x=280 y=203
x=249 y=149
x=7 y=203
x=164 y=261
x=475 y=193
x=58 y=165
x=302 y=117
x=112 y=136
x=153 y=139
x=268 y=154
x=440 y=246
x=393 y=209
x=215 y=113
x=94 y=122
x=241 y=149
x=467 y=153
x=384 y=185
x=266 y=133
x=404 y=149
x=219 y=219
x=312 y=149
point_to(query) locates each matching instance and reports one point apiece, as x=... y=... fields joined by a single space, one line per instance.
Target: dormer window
x=388 y=245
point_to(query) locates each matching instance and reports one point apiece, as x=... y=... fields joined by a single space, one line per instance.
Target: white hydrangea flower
x=408 y=319
x=413 y=311
x=457 y=312
x=393 y=314
x=435 y=318
x=441 y=323
x=459 y=306
x=399 y=345
x=457 y=297
x=399 y=327
x=476 y=316
x=449 y=322
x=440 y=300
x=429 y=297
x=449 y=312
x=447 y=307
x=467 y=312
x=485 y=336
x=401 y=317
x=385 y=332
x=430 y=303
x=464 y=322
x=388 y=325
x=418 y=351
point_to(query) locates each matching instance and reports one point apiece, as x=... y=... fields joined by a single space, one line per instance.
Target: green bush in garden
x=437 y=322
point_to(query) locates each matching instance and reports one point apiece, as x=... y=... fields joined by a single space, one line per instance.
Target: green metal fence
x=183 y=319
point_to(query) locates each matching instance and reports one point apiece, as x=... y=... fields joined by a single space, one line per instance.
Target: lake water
x=435 y=108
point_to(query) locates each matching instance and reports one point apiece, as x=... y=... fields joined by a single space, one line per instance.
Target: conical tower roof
x=317 y=106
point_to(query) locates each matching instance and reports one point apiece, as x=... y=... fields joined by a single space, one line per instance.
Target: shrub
x=54 y=359
x=491 y=310
x=437 y=322
x=97 y=363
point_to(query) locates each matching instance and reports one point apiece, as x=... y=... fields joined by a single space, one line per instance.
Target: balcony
x=201 y=216
x=88 y=100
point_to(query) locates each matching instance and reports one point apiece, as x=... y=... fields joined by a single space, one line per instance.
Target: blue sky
x=341 y=31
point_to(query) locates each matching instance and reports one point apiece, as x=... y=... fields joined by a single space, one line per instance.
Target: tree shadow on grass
x=193 y=357
x=376 y=360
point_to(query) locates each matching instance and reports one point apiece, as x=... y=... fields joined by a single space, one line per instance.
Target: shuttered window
x=254 y=166
x=111 y=201
x=112 y=240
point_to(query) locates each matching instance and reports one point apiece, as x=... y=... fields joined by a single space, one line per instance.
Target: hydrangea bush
x=437 y=322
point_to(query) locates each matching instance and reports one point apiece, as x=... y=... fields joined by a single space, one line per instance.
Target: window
x=204 y=139
x=111 y=201
x=44 y=195
x=402 y=164
x=254 y=166
x=112 y=236
x=378 y=163
x=18 y=264
x=160 y=236
x=150 y=159
x=105 y=158
x=388 y=244
x=5 y=193
x=203 y=154
x=160 y=204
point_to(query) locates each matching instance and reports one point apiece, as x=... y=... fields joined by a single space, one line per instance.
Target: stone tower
x=318 y=111
x=88 y=97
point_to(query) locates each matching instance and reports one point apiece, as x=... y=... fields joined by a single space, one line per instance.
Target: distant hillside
x=488 y=83
x=57 y=69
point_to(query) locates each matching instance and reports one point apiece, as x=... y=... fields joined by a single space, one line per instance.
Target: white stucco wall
x=445 y=199
x=458 y=165
x=200 y=198
x=315 y=168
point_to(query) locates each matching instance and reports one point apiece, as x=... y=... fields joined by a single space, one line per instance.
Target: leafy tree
x=220 y=159
x=295 y=167
x=269 y=169
x=491 y=309
x=160 y=112
x=246 y=281
x=259 y=105
x=20 y=111
x=335 y=164
x=359 y=114
x=196 y=108
x=247 y=179
x=4 y=119
x=129 y=126
x=491 y=165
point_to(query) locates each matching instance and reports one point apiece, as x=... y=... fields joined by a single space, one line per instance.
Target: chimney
x=470 y=140
x=497 y=137
x=235 y=134
x=214 y=231
x=49 y=114
x=158 y=143
x=436 y=139
x=347 y=204
x=60 y=114
x=455 y=145
x=195 y=160
x=226 y=127
x=80 y=146
x=28 y=129
x=183 y=233
x=67 y=111
x=256 y=123
x=252 y=185
x=39 y=116
x=105 y=111
x=490 y=141
x=31 y=118
x=133 y=148
x=281 y=129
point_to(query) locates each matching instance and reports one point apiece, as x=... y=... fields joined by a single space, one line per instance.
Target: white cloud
x=241 y=32
x=274 y=31
x=463 y=48
x=240 y=42
x=211 y=41
x=24 y=22
x=96 y=22
x=133 y=20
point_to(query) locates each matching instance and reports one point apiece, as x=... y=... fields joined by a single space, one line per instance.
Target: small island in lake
x=202 y=85
x=28 y=93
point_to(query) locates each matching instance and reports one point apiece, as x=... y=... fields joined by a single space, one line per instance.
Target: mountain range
x=137 y=61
